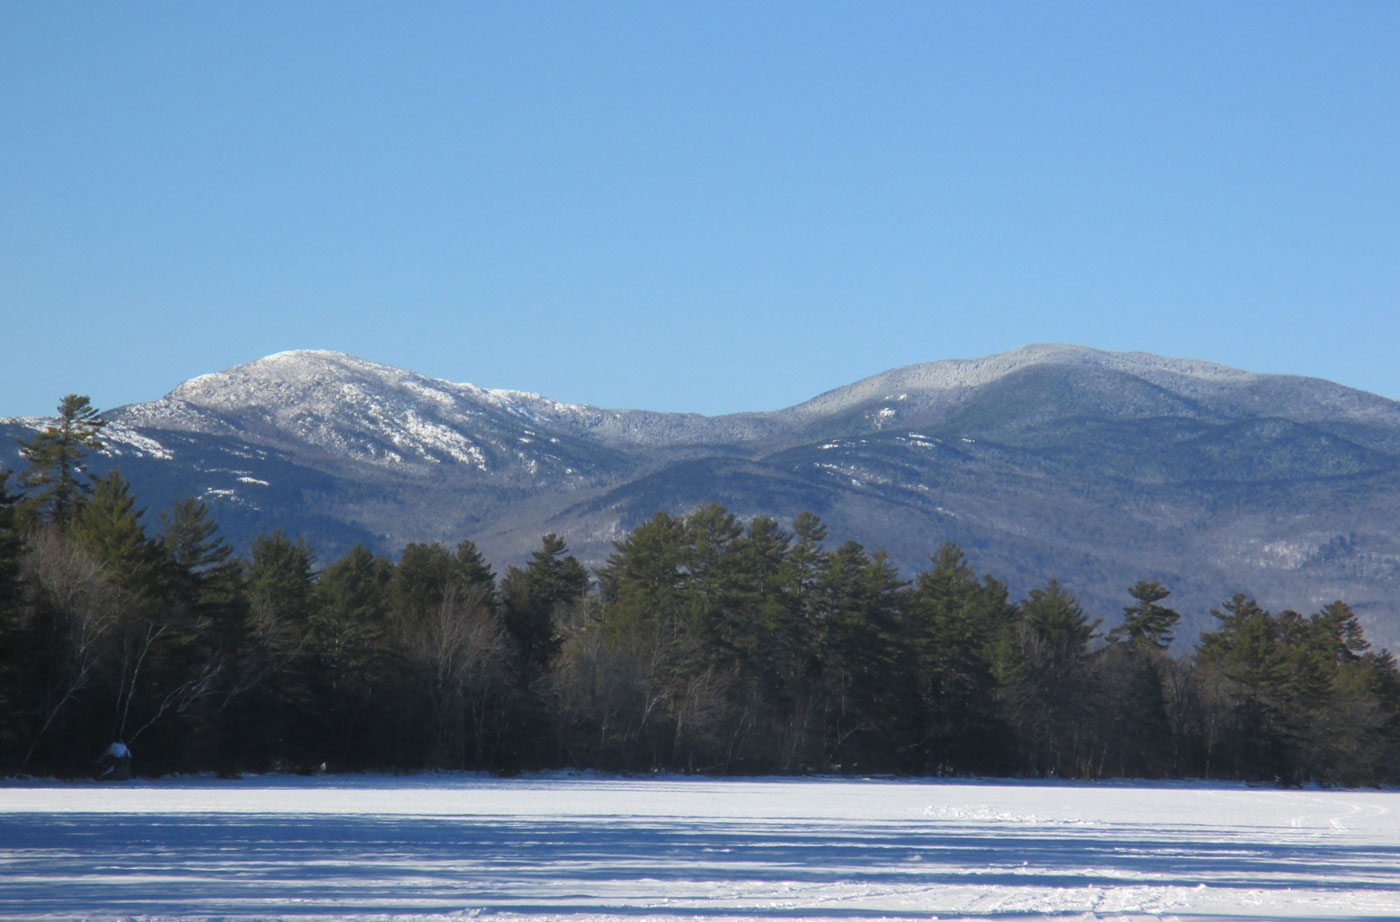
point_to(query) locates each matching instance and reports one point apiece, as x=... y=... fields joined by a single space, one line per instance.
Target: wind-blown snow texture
x=453 y=846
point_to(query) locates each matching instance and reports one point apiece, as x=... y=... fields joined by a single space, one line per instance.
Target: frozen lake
x=589 y=848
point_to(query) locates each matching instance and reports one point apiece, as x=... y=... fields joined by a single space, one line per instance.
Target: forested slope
x=703 y=643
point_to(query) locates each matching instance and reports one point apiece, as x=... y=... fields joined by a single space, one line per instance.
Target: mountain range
x=1095 y=468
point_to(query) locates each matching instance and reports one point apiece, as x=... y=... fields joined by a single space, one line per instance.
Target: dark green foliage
x=109 y=526
x=857 y=614
x=1135 y=733
x=954 y=625
x=274 y=718
x=1047 y=686
x=427 y=574
x=352 y=668
x=195 y=554
x=280 y=579
x=629 y=676
x=1295 y=698
x=11 y=549
x=552 y=579
x=56 y=474
x=12 y=667
x=709 y=644
x=1146 y=624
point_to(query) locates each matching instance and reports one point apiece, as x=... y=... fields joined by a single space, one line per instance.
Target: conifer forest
x=703 y=644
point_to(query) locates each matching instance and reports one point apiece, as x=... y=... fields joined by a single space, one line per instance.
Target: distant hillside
x=1097 y=468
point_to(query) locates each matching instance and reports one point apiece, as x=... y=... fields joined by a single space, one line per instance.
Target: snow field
x=587 y=849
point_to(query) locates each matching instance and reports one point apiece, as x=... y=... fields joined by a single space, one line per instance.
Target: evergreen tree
x=355 y=589
x=280 y=578
x=954 y=622
x=535 y=600
x=763 y=621
x=645 y=580
x=1049 y=693
x=193 y=549
x=712 y=537
x=1146 y=625
x=108 y=524
x=806 y=559
x=795 y=669
x=12 y=667
x=429 y=573
x=55 y=456
x=1246 y=669
x=356 y=694
x=630 y=685
x=11 y=551
x=859 y=612
x=552 y=578
x=756 y=645
x=1246 y=643
x=275 y=716
x=161 y=664
x=475 y=576
x=425 y=575
x=460 y=658
x=1134 y=723
x=1335 y=718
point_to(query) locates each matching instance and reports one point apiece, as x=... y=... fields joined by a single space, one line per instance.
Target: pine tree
x=859 y=612
x=645 y=579
x=12 y=667
x=11 y=550
x=1245 y=667
x=354 y=675
x=108 y=524
x=1049 y=698
x=713 y=536
x=55 y=457
x=1146 y=625
x=630 y=685
x=274 y=716
x=422 y=579
x=280 y=579
x=553 y=577
x=1134 y=671
x=795 y=671
x=954 y=621
x=193 y=548
x=475 y=576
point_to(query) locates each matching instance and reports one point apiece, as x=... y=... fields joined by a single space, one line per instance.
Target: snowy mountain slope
x=1093 y=467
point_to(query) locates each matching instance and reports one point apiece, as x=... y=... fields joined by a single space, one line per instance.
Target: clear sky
x=706 y=206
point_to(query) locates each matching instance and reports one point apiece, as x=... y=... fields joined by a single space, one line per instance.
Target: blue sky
x=709 y=207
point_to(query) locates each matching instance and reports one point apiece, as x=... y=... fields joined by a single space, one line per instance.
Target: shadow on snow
x=234 y=864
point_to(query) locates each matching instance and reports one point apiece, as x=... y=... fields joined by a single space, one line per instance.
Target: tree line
x=703 y=644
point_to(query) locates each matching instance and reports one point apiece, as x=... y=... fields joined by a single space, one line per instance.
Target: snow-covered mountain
x=1094 y=467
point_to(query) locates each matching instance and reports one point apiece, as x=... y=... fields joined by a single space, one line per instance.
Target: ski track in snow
x=596 y=849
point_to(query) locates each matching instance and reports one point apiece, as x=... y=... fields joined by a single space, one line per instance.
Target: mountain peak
x=1048 y=460
x=280 y=375
x=299 y=375
x=943 y=380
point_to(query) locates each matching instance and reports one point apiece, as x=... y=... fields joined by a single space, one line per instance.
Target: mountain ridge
x=1099 y=468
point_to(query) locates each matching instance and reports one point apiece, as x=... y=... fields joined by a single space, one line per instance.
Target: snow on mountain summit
x=373 y=412
x=354 y=408
x=315 y=376
x=1137 y=452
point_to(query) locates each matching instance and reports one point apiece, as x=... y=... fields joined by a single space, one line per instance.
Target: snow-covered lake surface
x=590 y=848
